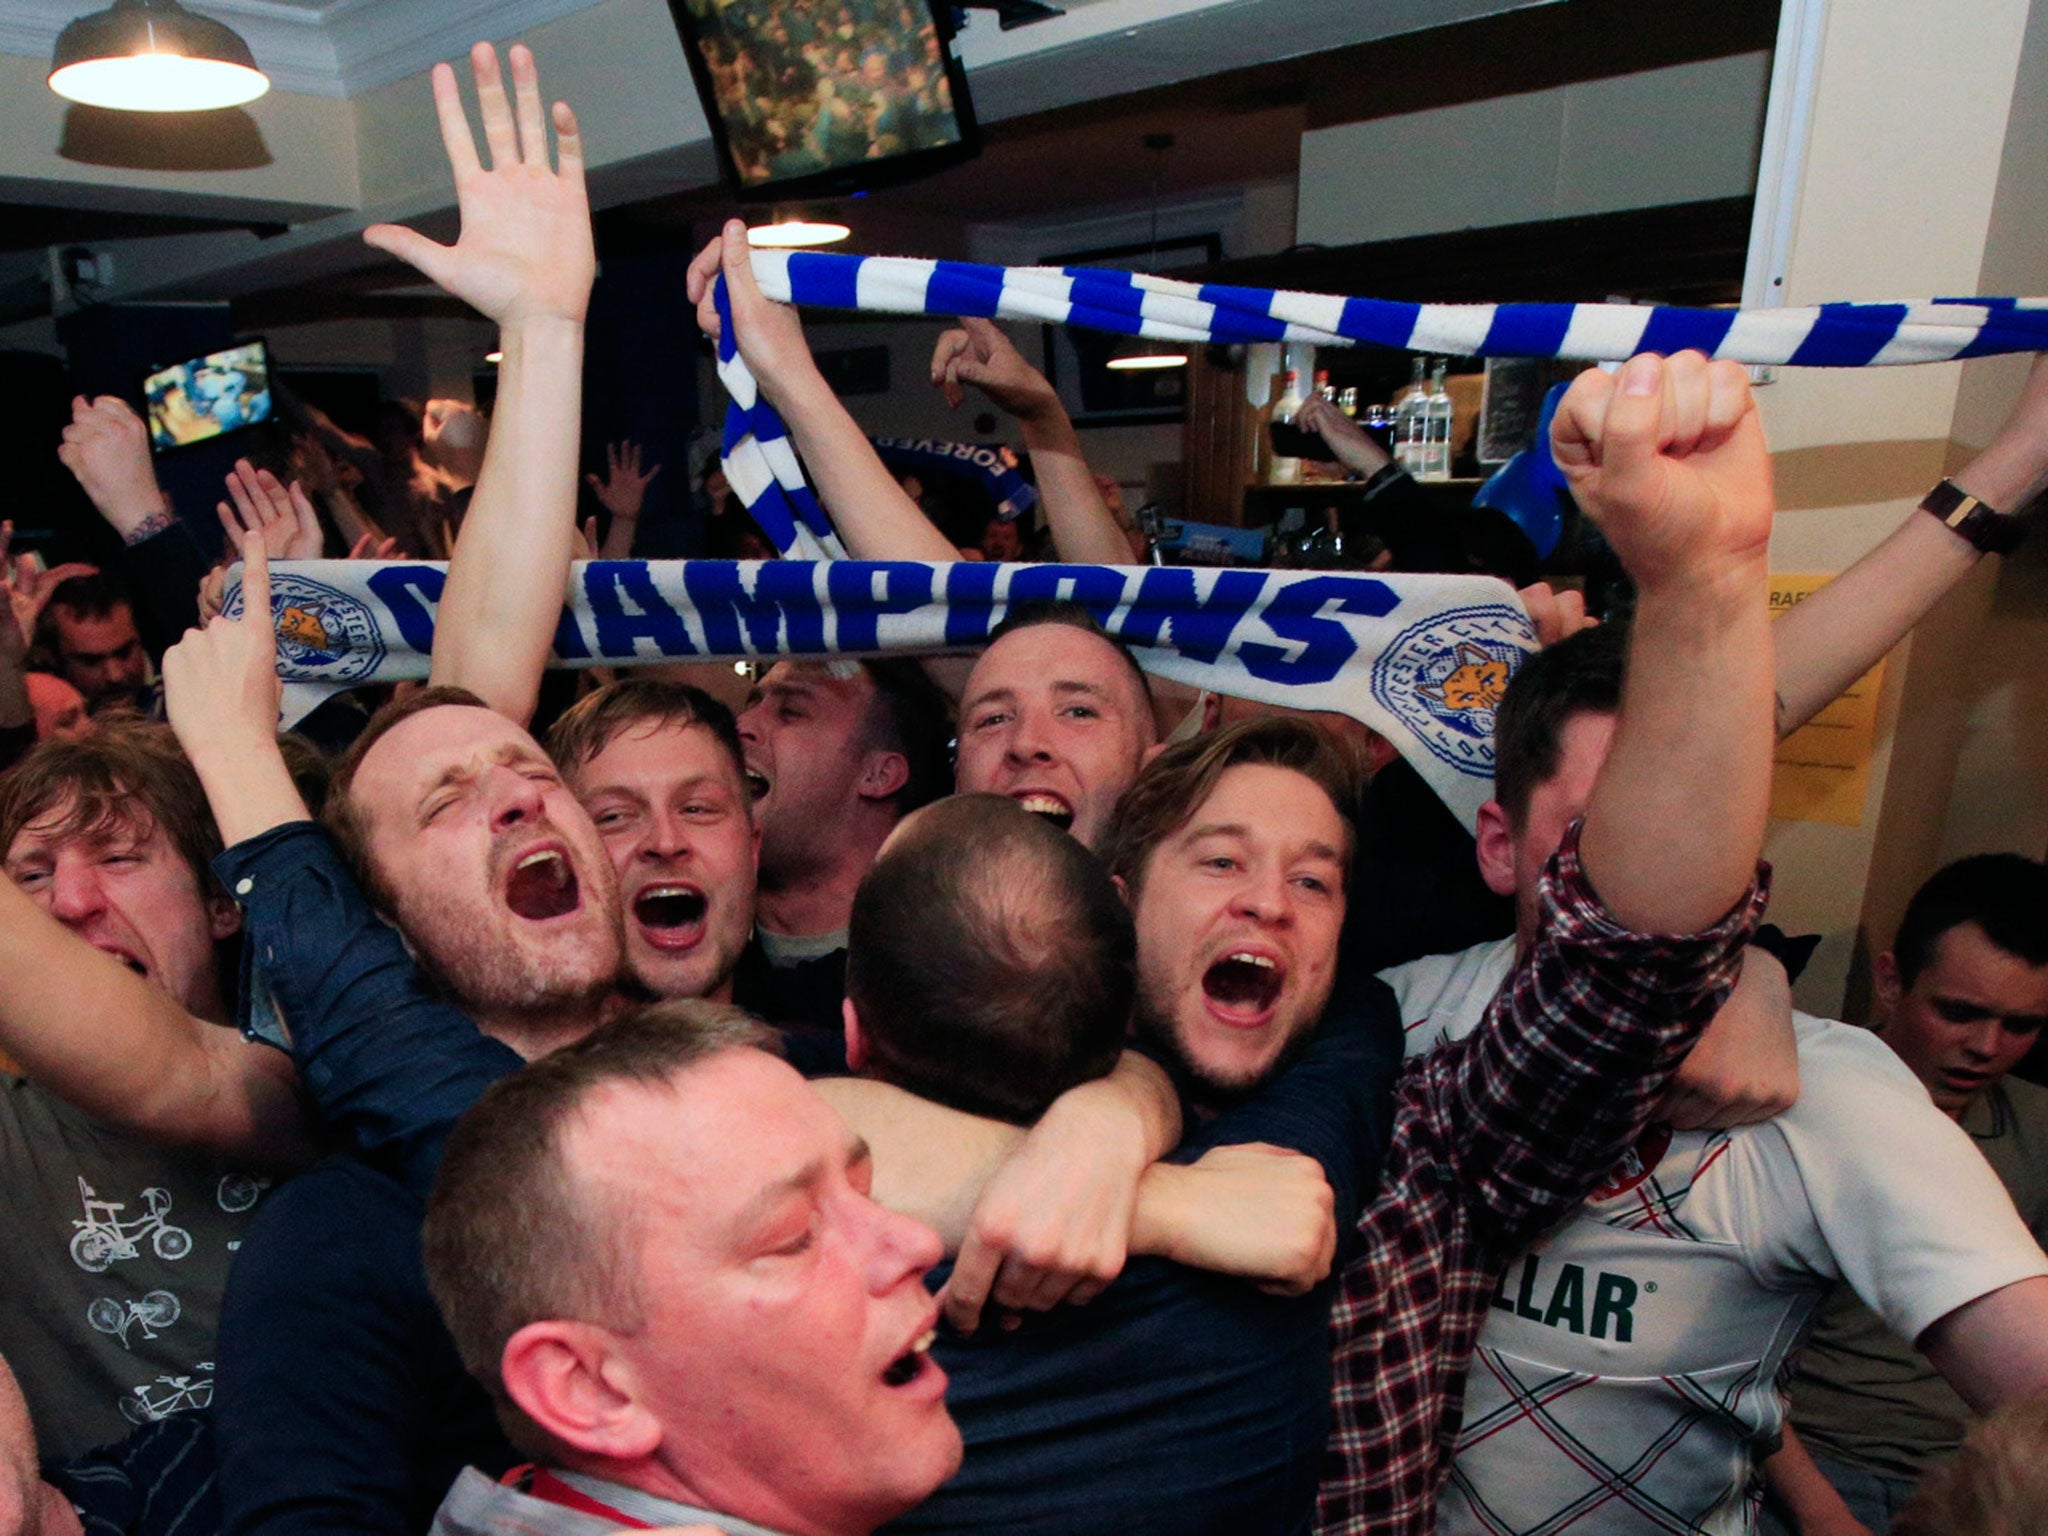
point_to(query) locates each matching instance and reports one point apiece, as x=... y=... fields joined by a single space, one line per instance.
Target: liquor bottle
x=1324 y=389
x=1437 y=412
x=1286 y=469
x=1348 y=401
x=1408 y=421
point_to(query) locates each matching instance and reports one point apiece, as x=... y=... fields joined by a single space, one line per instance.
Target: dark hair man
x=837 y=754
x=89 y=632
x=1962 y=995
x=658 y=1248
x=118 y=1248
x=1749 y=1227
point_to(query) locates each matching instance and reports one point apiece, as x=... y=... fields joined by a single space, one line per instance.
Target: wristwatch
x=1994 y=532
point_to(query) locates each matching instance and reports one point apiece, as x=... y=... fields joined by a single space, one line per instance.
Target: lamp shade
x=154 y=56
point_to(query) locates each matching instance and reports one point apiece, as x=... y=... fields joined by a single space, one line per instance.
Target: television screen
x=220 y=392
x=819 y=97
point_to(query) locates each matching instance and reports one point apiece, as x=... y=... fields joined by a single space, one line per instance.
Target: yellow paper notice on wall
x=1823 y=768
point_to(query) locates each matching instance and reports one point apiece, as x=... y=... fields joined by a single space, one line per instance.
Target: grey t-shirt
x=1866 y=1397
x=111 y=1270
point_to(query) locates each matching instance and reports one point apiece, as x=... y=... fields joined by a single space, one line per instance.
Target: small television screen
x=813 y=98
x=220 y=392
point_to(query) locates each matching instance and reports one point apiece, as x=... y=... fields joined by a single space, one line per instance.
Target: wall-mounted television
x=818 y=98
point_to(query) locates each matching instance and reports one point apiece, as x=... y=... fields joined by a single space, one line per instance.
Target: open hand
x=623 y=487
x=107 y=448
x=978 y=353
x=285 y=518
x=771 y=337
x=221 y=689
x=525 y=251
x=28 y=593
x=1668 y=458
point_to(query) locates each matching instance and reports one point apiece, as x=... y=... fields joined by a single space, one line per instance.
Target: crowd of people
x=807 y=86
x=996 y=1093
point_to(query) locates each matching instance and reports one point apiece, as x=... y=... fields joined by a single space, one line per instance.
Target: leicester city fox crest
x=323 y=633
x=1443 y=678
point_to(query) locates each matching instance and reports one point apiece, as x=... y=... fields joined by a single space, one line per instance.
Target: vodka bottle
x=1286 y=469
x=1436 y=429
x=1408 y=421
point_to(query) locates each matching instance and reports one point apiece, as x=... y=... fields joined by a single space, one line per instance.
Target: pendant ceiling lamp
x=1138 y=355
x=154 y=56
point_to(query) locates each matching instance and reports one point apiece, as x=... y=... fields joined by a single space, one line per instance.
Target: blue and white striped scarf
x=764 y=471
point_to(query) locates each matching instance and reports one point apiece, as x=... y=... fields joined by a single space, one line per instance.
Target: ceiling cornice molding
x=376 y=42
x=342 y=49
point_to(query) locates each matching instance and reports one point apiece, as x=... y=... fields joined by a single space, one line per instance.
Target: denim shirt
x=389 y=1063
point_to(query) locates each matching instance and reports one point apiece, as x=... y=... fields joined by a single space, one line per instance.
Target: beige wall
x=1634 y=141
x=1905 y=195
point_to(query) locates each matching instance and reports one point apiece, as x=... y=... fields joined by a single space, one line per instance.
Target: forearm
x=1084 y=530
x=497 y=616
x=1677 y=814
x=618 y=539
x=247 y=784
x=103 y=1039
x=873 y=515
x=1843 y=630
x=929 y=1161
x=1803 y=1488
x=16 y=710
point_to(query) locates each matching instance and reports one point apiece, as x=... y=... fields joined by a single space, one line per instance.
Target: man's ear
x=882 y=775
x=1884 y=976
x=856 y=1038
x=1496 y=849
x=568 y=1379
x=1123 y=888
x=223 y=917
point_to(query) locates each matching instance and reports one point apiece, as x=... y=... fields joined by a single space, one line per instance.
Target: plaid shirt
x=1496 y=1137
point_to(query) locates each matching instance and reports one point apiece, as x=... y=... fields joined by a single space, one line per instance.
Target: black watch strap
x=1994 y=532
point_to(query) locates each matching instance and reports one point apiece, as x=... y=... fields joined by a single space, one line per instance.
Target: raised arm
x=1668 y=458
x=1844 y=629
x=1645 y=908
x=873 y=516
x=1084 y=530
x=524 y=259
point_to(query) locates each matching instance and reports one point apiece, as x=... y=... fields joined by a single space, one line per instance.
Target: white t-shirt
x=1627 y=1378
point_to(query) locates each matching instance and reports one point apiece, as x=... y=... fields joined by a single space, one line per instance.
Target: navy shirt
x=1179 y=1401
x=341 y=1403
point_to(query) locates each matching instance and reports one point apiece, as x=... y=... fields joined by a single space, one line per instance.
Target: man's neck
x=818 y=898
x=535 y=1034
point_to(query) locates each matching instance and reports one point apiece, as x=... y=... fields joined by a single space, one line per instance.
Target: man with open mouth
x=110 y=1200
x=837 y=754
x=719 y=1325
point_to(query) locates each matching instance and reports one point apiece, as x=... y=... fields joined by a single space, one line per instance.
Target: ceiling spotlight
x=788 y=234
x=154 y=56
